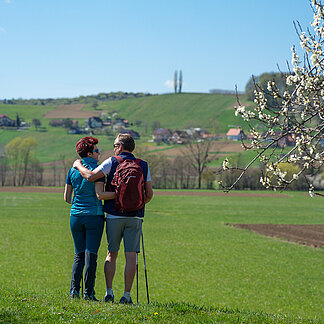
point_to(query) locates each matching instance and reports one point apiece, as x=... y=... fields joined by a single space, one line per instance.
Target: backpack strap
x=119 y=159
x=138 y=161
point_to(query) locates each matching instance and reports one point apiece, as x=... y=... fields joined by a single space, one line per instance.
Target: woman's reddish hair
x=85 y=145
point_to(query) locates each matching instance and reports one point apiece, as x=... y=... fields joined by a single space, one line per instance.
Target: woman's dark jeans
x=86 y=232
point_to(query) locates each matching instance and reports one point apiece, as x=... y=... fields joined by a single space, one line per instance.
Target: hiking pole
x=137 y=277
x=147 y=290
x=82 y=284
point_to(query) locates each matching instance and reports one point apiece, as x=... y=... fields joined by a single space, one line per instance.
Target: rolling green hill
x=212 y=111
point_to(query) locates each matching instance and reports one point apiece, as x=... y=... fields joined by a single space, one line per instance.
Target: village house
x=235 y=134
x=179 y=137
x=286 y=140
x=132 y=133
x=162 y=135
x=123 y=122
x=93 y=122
x=6 y=121
x=321 y=142
x=195 y=132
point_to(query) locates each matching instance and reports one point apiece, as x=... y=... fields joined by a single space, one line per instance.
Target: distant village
x=96 y=125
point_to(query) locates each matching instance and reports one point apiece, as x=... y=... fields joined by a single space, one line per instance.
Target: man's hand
x=77 y=163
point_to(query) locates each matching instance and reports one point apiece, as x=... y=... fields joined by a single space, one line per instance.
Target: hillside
x=212 y=111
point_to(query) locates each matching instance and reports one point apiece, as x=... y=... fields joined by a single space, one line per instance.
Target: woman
x=86 y=218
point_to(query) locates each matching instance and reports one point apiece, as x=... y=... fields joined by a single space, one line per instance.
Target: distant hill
x=174 y=111
x=177 y=111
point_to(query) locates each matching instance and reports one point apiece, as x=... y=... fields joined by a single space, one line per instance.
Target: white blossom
x=225 y=164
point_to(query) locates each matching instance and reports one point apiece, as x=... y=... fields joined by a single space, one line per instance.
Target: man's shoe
x=91 y=297
x=124 y=300
x=109 y=298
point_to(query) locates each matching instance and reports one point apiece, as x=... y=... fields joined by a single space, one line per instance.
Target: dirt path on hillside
x=311 y=235
x=71 y=111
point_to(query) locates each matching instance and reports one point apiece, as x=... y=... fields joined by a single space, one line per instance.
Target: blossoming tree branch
x=297 y=111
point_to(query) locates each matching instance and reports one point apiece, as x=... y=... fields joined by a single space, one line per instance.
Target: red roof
x=234 y=132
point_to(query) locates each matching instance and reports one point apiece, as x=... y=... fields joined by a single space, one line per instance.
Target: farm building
x=161 y=135
x=235 y=134
x=6 y=121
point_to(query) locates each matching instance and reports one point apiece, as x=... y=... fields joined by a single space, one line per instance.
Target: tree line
x=90 y=99
x=189 y=170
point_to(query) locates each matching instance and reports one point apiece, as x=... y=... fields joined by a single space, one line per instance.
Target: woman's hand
x=101 y=193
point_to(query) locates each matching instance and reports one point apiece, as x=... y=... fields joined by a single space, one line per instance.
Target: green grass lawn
x=198 y=267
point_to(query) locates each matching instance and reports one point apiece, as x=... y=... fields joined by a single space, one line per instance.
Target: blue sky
x=66 y=48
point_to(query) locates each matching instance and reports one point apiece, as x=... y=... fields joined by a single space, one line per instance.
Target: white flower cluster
x=225 y=164
x=298 y=116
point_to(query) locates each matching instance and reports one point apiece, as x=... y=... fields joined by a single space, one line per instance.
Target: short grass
x=199 y=269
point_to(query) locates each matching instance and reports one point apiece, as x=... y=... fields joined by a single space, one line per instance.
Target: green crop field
x=199 y=268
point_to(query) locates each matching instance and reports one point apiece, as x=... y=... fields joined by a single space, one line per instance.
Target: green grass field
x=199 y=269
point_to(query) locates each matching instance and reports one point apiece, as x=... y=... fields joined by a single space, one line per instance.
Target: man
x=120 y=225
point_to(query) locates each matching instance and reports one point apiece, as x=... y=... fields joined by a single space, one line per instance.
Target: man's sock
x=110 y=292
x=127 y=295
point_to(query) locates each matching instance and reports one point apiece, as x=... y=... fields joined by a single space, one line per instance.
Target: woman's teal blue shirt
x=85 y=201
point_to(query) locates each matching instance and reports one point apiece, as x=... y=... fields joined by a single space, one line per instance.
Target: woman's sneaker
x=124 y=300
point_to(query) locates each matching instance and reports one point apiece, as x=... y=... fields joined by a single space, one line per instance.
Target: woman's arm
x=68 y=193
x=101 y=193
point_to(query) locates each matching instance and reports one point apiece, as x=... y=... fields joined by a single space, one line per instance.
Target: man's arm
x=101 y=193
x=68 y=193
x=148 y=191
x=86 y=173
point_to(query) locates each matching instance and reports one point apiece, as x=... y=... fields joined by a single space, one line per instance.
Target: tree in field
x=19 y=152
x=180 y=81
x=13 y=153
x=4 y=168
x=175 y=81
x=17 y=120
x=26 y=147
x=36 y=122
x=67 y=123
x=262 y=80
x=95 y=104
x=196 y=154
x=155 y=125
x=295 y=112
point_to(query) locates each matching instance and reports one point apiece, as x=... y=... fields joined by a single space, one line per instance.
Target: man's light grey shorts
x=128 y=228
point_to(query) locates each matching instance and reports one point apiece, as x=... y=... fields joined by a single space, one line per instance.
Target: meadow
x=199 y=268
